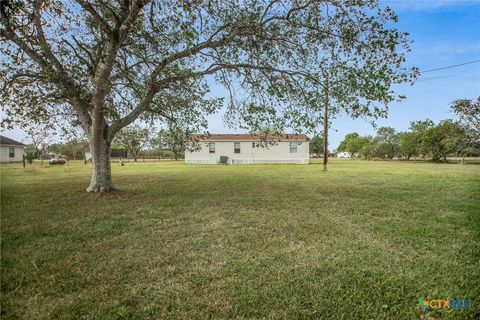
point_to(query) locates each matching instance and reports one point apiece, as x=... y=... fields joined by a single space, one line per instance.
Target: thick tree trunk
x=102 y=171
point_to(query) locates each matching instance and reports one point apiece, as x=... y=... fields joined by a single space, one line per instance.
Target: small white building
x=249 y=148
x=11 y=150
x=343 y=154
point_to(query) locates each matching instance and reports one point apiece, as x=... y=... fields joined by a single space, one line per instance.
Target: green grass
x=364 y=240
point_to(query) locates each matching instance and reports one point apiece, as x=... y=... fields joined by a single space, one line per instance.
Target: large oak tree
x=105 y=64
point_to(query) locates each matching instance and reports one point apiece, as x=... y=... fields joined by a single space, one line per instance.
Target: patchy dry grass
x=364 y=240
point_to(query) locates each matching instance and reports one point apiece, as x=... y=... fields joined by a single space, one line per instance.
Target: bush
x=29 y=157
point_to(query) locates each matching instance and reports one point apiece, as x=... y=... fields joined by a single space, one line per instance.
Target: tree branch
x=64 y=80
x=100 y=20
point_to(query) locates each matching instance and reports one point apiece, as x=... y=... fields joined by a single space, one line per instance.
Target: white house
x=250 y=148
x=10 y=150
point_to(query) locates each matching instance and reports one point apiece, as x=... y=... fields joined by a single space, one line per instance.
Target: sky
x=444 y=33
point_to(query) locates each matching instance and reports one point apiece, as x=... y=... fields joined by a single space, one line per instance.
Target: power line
x=453 y=66
x=447 y=76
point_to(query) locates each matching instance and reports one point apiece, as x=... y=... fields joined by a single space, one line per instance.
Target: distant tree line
x=424 y=138
x=139 y=143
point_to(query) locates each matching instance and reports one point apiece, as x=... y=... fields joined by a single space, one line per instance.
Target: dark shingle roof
x=8 y=141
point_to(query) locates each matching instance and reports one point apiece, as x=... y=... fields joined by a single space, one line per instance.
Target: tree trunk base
x=102 y=173
x=97 y=188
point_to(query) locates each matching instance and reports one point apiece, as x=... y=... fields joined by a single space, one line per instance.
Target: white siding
x=277 y=153
x=5 y=153
x=343 y=154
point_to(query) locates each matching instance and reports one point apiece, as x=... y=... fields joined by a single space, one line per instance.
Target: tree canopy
x=316 y=145
x=134 y=139
x=353 y=144
x=174 y=139
x=468 y=112
x=105 y=64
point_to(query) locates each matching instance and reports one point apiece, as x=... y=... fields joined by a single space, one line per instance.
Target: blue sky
x=445 y=33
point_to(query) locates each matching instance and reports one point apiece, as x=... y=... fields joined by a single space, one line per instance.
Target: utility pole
x=325 y=125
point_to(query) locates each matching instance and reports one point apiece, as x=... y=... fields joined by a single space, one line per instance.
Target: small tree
x=369 y=147
x=75 y=148
x=173 y=139
x=388 y=142
x=134 y=139
x=74 y=140
x=442 y=139
x=461 y=140
x=353 y=144
x=40 y=137
x=418 y=128
x=468 y=112
x=409 y=144
x=316 y=145
x=469 y=152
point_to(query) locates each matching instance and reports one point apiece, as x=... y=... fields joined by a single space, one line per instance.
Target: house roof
x=10 y=142
x=250 y=137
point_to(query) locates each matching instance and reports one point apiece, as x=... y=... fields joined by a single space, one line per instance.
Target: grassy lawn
x=364 y=240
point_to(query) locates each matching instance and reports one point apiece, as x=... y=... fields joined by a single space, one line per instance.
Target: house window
x=236 y=146
x=293 y=147
x=211 y=147
x=11 y=152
